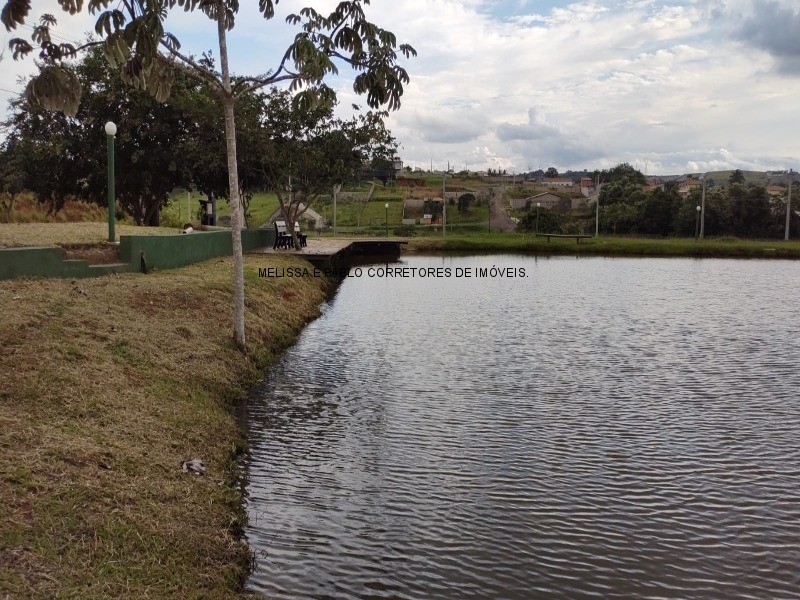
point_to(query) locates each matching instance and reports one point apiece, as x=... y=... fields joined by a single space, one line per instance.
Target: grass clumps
x=109 y=384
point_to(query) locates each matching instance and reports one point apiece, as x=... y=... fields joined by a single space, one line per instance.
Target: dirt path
x=500 y=219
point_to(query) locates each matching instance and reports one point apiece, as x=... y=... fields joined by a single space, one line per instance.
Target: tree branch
x=259 y=83
x=191 y=68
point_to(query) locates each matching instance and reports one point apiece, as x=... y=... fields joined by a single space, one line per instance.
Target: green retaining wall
x=48 y=261
x=171 y=251
x=160 y=251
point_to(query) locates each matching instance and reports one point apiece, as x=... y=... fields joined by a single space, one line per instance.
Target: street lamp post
x=386 y=205
x=111 y=131
x=697 y=223
x=538 y=206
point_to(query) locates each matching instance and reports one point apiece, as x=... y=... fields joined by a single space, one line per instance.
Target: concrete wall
x=162 y=252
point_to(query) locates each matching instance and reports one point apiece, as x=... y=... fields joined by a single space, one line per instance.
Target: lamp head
x=111 y=128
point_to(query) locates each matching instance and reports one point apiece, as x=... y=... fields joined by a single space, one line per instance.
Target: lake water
x=607 y=428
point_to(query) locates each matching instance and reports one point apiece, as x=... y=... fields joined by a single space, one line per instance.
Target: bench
x=283 y=239
x=301 y=237
x=578 y=236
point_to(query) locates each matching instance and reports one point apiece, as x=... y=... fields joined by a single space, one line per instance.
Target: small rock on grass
x=195 y=465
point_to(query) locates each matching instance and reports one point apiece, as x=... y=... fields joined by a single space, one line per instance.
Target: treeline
x=161 y=146
x=733 y=209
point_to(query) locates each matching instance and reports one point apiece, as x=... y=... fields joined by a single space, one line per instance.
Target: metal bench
x=578 y=236
x=282 y=237
x=301 y=237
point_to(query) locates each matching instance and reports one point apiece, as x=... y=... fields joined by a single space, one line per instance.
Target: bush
x=404 y=231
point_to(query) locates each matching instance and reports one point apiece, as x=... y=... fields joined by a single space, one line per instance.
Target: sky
x=669 y=87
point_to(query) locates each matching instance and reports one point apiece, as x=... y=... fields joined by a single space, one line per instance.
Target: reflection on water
x=610 y=428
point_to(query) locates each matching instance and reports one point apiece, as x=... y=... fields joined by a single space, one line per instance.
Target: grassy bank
x=608 y=246
x=108 y=384
x=59 y=234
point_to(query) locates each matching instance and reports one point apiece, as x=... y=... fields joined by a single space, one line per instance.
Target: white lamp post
x=111 y=131
x=697 y=222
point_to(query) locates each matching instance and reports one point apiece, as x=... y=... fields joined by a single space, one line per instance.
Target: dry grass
x=60 y=234
x=108 y=384
x=26 y=209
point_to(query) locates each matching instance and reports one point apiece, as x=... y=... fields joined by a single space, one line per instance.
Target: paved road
x=500 y=219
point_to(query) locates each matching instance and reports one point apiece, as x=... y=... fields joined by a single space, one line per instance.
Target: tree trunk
x=153 y=213
x=227 y=100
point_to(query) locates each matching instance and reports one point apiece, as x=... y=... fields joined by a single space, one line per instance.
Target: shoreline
x=607 y=246
x=112 y=383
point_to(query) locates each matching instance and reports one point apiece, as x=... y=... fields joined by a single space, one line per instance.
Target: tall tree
x=153 y=147
x=736 y=177
x=135 y=40
x=13 y=175
x=659 y=212
x=306 y=152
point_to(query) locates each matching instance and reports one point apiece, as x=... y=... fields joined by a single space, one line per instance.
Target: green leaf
x=14 y=13
x=267 y=8
x=20 y=48
x=56 y=87
x=71 y=6
x=96 y=5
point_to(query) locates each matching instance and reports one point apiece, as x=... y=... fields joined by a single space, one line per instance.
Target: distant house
x=557 y=182
x=776 y=190
x=547 y=200
x=580 y=203
x=651 y=185
x=685 y=187
x=397 y=165
x=587 y=187
x=418 y=202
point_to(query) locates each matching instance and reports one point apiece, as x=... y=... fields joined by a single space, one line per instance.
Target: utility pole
x=336 y=189
x=788 y=209
x=597 y=207
x=703 y=210
x=444 y=204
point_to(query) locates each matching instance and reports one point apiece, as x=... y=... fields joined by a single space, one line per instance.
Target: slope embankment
x=108 y=385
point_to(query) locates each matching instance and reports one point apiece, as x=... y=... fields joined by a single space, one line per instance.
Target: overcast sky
x=670 y=87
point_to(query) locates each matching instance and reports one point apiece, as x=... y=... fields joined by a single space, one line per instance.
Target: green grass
x=371 y=217
x=363 y=214
x=611 y=246
x=176 y=213
x=104 y=394
x=723 y=177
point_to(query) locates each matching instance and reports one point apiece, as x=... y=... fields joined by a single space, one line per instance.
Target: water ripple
x=605 y=428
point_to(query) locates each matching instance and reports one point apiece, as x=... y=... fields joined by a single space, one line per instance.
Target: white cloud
x=581 y=85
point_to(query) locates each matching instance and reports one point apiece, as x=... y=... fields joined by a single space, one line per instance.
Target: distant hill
x=722 y=177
